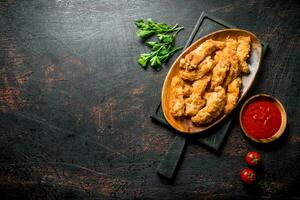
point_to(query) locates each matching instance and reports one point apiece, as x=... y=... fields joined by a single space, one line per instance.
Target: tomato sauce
x=261 y=118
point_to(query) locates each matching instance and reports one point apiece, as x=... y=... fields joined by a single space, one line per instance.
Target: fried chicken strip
x=219 y=73
x=193 y=105
x=229 y=53
x=187 y=90
x=205 y=49
x=233 y=93
x=243 y=50
x=234 y=70
x=229 y=49
x=204 y=68
x=218 y=56
x=231 y=46
x=192 y=60
x=214 y=107
x=177 y=106
x=195 y=102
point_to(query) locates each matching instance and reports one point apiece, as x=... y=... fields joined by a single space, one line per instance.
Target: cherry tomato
x=248 y=176
x=253 y=158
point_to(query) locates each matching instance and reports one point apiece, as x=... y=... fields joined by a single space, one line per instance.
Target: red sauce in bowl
x=261 y=118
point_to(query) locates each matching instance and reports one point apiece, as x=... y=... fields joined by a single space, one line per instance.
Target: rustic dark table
x=75 y=106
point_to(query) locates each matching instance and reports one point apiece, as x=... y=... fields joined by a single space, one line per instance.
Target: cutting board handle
x=169 y=162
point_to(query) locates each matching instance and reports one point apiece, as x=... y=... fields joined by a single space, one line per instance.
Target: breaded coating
x=229 y=54
x=182 y=63
x=218 y=56
x=204 y=68
x=199 y=86
x=195 y=102
x=192 y=60
x=243 y=50
x=188 y=75
x=219 y=73
x=231 y=46
x=233 y=93
x=193 y=105
x=187 y=90
x=188 y=59
x=205 y=49
x=234 y=70
x=216 y=102
x=214 y=107
x=177 y=105
x=229 y=50
x=235 y=85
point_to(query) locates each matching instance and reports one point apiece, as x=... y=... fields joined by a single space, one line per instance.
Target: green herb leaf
x=169 y=39
x=144 y=34
x=155 y=62
x=140 y=23
x=144 y=59
x=153 y=45
x=161 y=50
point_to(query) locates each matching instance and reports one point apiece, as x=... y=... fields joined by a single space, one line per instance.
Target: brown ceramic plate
x=186 y=125
x=283 y=118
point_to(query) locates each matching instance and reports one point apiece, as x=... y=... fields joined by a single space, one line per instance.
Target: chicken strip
x=229 y=49
x=199 y=86
x=229 y=53
x=205 y=49
x=231 y=46
x=192 y=60
x=218 y=56
x=216 y=102
x=188 y=75
x=182 y=63
x=233 y=93
x=204 y=68
x=243 y=50
x=219 y=73
x=227 y=61
x=193 y=105
x=195 y=102
x=214 y=107
x=234 y=70
x=177 y=106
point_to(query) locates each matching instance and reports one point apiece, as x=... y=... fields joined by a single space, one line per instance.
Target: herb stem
x=161 y=50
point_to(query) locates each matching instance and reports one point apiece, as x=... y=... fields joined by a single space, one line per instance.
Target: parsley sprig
x=163 y=48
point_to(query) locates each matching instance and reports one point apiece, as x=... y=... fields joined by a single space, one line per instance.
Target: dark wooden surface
x=75 y=106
